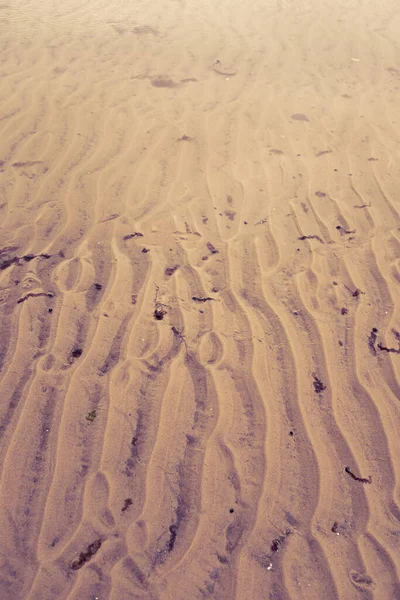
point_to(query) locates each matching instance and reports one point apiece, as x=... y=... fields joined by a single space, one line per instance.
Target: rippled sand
x=199 y=300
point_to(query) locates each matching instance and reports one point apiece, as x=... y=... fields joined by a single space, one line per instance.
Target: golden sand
x=199 y=300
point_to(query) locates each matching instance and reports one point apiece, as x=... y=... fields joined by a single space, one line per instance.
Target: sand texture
x=199 y=300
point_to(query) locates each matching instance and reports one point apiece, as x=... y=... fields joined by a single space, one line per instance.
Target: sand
x=199 y=300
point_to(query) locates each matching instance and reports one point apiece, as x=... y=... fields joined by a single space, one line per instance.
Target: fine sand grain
x=199 y=300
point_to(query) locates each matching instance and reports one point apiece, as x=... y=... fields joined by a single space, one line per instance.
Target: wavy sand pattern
x=199 y=300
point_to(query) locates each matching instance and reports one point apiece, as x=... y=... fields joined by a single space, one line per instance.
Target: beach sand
x=199 y=300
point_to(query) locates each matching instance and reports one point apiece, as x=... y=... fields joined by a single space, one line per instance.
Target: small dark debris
x=173 y=529
x=356 y=293
x=339 y=527
x=386 y=349
x=171 y=270
x=211 y=248
x=91 y=416
x=200 y=299
x=291 y=433
x=319 y=387
x=340 y=343
x=372 y=340
x=129 y=236
x=185 y=138
x=320 y=194
x=145 y=250
x=311 y=237
x=372 y=159
x=4 y=264
x=335 y=527
x=344 y=311
x=275 y=545
x=84 y=557
x=360 y=479
x=35 y=295
x=28 y=257
x=127 y=503
x=77 y=353
x=134 y=298
x=159 y=313
x=50 y=310
x=277 y=542
x=8 y=262
x=98 y=286
x=159 y=310
x=344 y=231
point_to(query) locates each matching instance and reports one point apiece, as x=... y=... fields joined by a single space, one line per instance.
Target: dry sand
x=199 y=344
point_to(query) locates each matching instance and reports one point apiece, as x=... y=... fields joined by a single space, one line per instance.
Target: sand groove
x=199 y=300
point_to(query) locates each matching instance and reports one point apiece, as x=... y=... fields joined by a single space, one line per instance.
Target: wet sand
x=199 y=300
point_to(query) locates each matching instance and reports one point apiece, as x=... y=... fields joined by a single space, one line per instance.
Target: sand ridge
x=199 y=305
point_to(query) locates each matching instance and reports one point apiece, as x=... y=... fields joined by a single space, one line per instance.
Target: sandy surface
x=199 y=300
